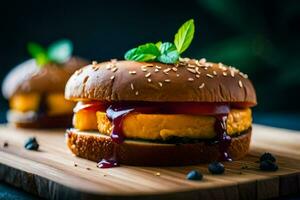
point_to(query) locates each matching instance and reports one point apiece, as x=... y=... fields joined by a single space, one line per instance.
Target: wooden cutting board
x=50 y=173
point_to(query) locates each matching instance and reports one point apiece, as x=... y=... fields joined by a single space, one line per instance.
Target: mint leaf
x=169 y=53
x=158 y=44
x=184 y=36
x=145 y=52
x=38 y=53
x=60 y=51
x=165 y=52
x=133 y=54
x=41 y=59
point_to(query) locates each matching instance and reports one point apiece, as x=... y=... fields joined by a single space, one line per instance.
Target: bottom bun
x=33 y=120
x=95 y=146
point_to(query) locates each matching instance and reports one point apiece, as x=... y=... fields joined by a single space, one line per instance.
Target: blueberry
x=194 y=175
x=268 y=165
x=267 y=156
x=216 y=168
x=31 y=144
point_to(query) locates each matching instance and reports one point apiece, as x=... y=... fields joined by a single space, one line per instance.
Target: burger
x=156 y=108
x=35 y=91
x=157 y=114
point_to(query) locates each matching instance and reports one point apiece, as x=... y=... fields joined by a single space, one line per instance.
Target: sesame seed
x=112 y=77
x=240 y=83
x=190 y=79
x=148 y=75
x=243 y=75
x=224 y=74
x=156 y=70
x=224 y=68
x=167 y=70
x=167 y=80
x=215 y=73
x=206 y=68
x=108 y=66
x=233 y=69
x=208 y=64
x=177 y=75
x=221 y=66
x=174 y=69
x=143 y=69
x=78 y=71
x=157 y=174
x=182 y=64
x=232 y=73
x=202 y=61
x=132 y=72
x=149 y=80
x=191 y=70
x=197 y=70
x=114 y=69
x=197 y=75
x=202 y=86
x=137 y=93
x=160 y=84
x=148 y=65
x=94 y=63
x=95 y=68
x=198 y=63
x=131 y=85
x=191 y=66
x=113 y=60
x=209 y=75
x=158 y=67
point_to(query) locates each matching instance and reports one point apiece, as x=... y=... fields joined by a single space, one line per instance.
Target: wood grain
x=50 y=172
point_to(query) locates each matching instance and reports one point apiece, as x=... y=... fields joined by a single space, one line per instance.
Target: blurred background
x=262 y=38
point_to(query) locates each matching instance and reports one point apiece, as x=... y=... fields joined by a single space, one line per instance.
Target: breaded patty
x=164 y=126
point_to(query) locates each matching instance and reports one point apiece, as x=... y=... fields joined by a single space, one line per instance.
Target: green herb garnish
x=57 y=52
x=166 y=52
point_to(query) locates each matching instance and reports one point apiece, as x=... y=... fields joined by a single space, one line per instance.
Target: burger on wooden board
x=156 y=108
x=35 y=88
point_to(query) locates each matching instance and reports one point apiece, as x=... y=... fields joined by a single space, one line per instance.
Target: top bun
x=188 y=81
x=28 y=77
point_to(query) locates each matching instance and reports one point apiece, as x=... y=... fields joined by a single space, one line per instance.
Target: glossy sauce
x=222 y=138
x=117 y=112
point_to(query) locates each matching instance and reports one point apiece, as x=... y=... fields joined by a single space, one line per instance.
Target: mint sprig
x=184 y=36
x=57 y=52
x=166 y=52
x=145 y=52
x=169 y=53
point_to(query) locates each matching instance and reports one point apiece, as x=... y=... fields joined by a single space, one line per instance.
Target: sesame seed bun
x=187 y=81
x=95 y=146
x=28 y=77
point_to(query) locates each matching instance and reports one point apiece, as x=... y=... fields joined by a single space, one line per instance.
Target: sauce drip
x=222 y=138
x=116 y=116
x=107 y=163
x=117 y=112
